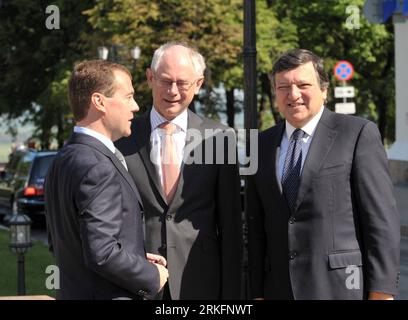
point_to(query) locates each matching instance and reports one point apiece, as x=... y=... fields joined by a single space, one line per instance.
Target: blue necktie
x=291 y=168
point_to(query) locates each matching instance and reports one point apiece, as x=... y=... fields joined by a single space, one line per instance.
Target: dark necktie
x=291 y=169
x=121 y=158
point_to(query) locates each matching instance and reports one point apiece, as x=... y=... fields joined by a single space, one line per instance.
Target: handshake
x=161 y=263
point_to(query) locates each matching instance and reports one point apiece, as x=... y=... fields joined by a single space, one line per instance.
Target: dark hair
x=296 y=57
x=87 y=78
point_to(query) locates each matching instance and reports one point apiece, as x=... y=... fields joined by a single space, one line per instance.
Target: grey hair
x=196 y=57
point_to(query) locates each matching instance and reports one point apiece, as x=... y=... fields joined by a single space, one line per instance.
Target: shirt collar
x=105 y=140
x=308 y=128
x=156 y=119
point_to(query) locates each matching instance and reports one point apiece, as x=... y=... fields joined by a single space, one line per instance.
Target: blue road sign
x=405 y=8
x=389 y=7
x=343 y=70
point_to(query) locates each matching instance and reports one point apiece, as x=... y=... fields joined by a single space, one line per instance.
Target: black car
x=22 y=183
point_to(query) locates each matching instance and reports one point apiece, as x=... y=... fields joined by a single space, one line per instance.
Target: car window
x=40 y=168
x=24 y=166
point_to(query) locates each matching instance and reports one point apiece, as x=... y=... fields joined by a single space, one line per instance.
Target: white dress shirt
x=105 y=140
x=157 y=137
x=309 y=128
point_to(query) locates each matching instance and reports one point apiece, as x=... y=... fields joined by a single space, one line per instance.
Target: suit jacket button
x=292 y=255
x=168 y=217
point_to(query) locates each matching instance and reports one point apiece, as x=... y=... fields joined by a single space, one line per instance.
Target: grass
x=37 y=259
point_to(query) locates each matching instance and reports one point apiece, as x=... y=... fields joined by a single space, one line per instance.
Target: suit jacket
x=342 y=240
x=200 y=231
x=95 y=225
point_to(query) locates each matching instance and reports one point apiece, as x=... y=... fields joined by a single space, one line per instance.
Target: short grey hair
x=196 y=57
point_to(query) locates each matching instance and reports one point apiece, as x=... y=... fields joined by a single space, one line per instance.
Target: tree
x=34 y=57
x=209 y=25
x=275 y=34
x=370 y=48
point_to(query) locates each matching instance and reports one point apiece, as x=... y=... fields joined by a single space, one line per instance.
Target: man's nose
x=173 y=89
x=294 y=92
x=135 y=106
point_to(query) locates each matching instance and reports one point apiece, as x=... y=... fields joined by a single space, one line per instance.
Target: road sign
x=379 y=11
x=373 y=11
x=389 y=8
x=344 y=92
x=343 y=70
x=345 y=107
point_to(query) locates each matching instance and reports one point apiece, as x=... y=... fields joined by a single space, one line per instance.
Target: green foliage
x=33 y=58
x=213 y=26
x=36 y=61
x=322 y=28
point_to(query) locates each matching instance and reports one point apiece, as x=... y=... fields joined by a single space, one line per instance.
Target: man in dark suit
x=92 y=205
x=323 y=222
x=191 y=208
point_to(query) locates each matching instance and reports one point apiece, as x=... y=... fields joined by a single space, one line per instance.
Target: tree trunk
x=230 y=107
x=45 y=138
x=60 y=133
x=261 y=107
x=267 y=90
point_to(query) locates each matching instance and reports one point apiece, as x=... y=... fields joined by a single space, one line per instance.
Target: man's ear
x=98 y=101
x=149 y=77
x=198 y=85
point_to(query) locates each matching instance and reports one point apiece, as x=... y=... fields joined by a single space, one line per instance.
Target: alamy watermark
x=353 y=20
x=353 y=280
x=214 y=146
x=52 y=282
x=53 y=20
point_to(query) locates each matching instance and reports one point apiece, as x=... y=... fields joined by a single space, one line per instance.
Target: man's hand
x=155 y=258
x=164 y=274
x=379 y=296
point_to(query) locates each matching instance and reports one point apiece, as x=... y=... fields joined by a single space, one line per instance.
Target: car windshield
x=40 y=167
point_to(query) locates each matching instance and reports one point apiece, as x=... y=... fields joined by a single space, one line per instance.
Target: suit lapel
x=270 y=161
x=272 y=151
x=143 y=139
x=96 y=144
x=322 y=142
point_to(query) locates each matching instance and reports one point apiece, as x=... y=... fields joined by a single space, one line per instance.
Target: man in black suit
x=192 y=208
x=92 y=205
x=323 y=222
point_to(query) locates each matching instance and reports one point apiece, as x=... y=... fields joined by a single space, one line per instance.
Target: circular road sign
x=343 y=70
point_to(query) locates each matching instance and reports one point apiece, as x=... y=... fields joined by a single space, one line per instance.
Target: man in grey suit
x=322 y=221
x=92 y=205
x=192 y=209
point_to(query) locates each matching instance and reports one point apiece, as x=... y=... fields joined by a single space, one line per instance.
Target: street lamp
x=103 y=52
x=135 y=53
x=20 y=241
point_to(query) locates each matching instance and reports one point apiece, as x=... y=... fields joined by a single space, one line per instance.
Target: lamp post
x=135 y=52
x=250 y=99
x=20 y=241
x=104 y=53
